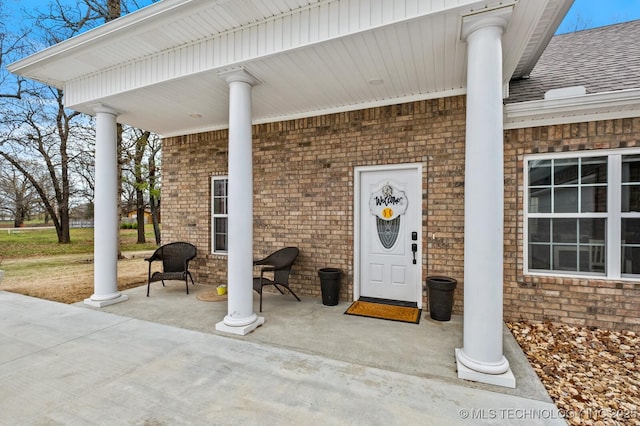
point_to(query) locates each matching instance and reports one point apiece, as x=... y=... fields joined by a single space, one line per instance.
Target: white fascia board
x=98 y=34
x=576 y=109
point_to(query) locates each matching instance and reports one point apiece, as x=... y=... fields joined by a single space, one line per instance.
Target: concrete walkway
x=158 y=361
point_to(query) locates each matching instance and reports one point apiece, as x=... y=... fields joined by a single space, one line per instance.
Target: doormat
x=386 y=311
x=211 y=296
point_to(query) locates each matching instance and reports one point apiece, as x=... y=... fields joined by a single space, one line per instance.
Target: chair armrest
x=265 y=269
x=153 y=257
x=259 y=261
x=263 y=280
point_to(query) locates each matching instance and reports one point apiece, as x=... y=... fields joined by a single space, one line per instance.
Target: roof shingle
x=601 y=59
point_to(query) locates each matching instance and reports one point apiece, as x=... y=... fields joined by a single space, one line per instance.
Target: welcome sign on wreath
x=388 y=204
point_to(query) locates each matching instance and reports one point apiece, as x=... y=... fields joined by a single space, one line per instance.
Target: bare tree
x=17 y=196
x=155 y=146
x=11 y=46
x=32 y=131
x=575 y=23
x=40 y=128
x=36 y=124
x=140 y=182
x=15 y=190
x=64 y=19
x=141 y=177
x=84 y=166
x=72 y=21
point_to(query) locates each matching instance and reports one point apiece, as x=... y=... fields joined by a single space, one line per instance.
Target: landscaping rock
x=593 y=375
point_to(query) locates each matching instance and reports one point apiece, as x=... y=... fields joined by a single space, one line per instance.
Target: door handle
x=414 y=249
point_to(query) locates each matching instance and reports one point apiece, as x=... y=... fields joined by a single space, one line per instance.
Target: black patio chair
x=175 y=259
x=280 y=263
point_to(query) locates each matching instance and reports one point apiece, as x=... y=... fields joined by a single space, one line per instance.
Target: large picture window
x=582 y=213
x=219 y=214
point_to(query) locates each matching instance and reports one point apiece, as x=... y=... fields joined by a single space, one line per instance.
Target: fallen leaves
x=593 y=375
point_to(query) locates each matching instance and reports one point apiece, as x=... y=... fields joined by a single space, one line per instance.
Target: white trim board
x=575 y=109
x=357 y=171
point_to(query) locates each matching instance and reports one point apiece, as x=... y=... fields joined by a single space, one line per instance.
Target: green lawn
x=31 y=243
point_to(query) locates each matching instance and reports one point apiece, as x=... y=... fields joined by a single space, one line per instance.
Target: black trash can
x=441 y=297
x=330 y=285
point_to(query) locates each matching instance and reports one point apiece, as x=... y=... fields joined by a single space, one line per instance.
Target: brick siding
x=303 y=196
x=576 y=301
x=303 y=187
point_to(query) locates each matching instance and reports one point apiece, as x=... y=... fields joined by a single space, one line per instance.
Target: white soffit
x=159 y=66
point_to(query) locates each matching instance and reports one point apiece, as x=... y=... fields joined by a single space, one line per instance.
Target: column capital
x=493 y=18
x=102 y=108
x=241 y=75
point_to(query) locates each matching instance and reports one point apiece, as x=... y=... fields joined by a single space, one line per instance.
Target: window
x=630 y=214
x=582 y=214
x=219 y=214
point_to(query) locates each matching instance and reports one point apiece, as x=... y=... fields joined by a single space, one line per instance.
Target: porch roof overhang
x=160 y=67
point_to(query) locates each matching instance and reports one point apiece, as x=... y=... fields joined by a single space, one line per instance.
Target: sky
x=586 y=14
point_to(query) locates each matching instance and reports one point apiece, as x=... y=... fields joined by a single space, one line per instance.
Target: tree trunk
x=119 y=200
x=113 y=10
x=140 y=148
x=20 y=211
x=155 y=218
x=140 y=213
x=64 y=233
x=18 y=220
x=153 y=198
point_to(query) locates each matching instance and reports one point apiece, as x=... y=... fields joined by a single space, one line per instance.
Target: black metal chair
x=280 y=263
x=175 y=258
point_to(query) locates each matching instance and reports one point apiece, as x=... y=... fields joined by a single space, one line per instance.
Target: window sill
x=569 y=275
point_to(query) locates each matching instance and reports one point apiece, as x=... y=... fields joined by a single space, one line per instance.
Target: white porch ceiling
x=159 y=67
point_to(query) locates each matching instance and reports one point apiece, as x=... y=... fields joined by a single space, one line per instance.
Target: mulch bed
x=592 y=375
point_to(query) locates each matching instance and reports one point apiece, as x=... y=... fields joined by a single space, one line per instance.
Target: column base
x=240 y=330
x=506 y=379
x=103 y=303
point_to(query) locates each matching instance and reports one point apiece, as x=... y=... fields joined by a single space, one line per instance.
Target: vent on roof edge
x=565 y=92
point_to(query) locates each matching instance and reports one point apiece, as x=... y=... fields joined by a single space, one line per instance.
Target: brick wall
x=603 y=303
x=303 y=187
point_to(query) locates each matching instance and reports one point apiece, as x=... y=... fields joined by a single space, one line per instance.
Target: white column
x=105 y=219
x=240 y=318
x=481 y=358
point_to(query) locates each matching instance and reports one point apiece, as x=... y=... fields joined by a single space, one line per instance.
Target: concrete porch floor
x=159 y=360
x=425 y=350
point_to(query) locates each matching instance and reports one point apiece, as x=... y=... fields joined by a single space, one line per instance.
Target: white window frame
x=215 y=215
x=614 y=215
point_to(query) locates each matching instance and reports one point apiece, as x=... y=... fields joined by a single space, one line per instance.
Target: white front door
x=389 y=237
